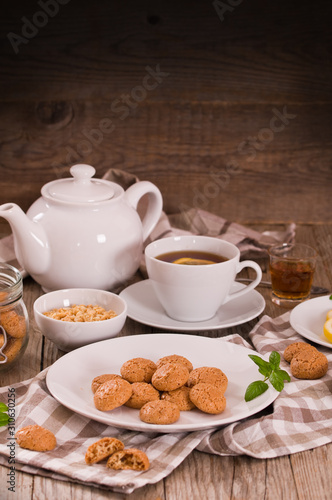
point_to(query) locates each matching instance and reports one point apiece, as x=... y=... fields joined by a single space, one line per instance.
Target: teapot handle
x=133 y=195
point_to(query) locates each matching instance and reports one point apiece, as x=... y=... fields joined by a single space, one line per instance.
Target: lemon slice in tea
x=327 y=329
x=188 y=261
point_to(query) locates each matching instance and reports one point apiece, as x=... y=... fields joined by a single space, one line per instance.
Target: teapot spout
x=30 y=242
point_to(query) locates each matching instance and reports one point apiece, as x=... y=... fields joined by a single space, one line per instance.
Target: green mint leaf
x=274 y=360
x=277 y=381
x=271 y=372
x=3 y=407
x=264 y=367
x=330 y=297
x=284 y=374
x=3 y=419
x=255 y=389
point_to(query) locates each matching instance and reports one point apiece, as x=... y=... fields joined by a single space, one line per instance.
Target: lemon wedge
x=327 y=329
x=329 y=314
x=192 y=262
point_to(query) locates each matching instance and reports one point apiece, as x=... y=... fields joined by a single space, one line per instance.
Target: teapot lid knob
x=82 y=173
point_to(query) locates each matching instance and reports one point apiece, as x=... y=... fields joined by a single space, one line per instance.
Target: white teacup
x=196 y=292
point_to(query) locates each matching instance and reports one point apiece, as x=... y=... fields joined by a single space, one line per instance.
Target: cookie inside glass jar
x=14 y=322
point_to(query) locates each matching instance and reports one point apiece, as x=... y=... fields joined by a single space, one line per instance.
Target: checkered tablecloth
x=298 y=420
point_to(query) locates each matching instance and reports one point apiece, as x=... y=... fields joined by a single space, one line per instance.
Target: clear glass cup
x=14 y=321
x=292 y=268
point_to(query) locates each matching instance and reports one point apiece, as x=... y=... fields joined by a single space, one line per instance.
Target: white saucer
x=308 y=319
x=144 y=307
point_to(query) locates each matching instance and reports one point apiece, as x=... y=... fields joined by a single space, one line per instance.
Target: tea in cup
x=292 y=268
x=192 y=276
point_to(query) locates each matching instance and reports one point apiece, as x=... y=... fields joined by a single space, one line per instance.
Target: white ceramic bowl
x=70 y=335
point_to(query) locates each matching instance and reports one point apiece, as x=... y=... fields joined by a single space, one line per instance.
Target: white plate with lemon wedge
x=309 y=318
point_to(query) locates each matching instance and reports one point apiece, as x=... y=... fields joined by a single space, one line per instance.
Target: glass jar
x=14 y=320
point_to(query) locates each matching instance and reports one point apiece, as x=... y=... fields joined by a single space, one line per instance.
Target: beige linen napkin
x=251 y=243
x=298 y=420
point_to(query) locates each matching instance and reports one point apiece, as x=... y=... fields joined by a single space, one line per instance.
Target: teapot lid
x=81 y=188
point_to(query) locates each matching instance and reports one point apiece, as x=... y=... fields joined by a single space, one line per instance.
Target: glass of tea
x=292 y=268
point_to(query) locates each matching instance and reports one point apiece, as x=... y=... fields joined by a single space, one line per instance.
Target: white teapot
x=83 y=232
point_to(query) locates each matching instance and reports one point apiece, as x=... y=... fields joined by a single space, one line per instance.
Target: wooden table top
x=305 y=475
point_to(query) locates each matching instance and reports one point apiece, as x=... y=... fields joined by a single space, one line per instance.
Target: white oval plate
x=144 y=307
x=69 y=378
x=308 y=319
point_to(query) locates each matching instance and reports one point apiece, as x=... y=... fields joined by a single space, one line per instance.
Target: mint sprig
x=3 y=415
x=271 y=372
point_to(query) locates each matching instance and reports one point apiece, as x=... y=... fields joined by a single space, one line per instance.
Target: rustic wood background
x=224 y=105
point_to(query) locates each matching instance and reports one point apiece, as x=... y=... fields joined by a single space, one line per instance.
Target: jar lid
x=81 y=188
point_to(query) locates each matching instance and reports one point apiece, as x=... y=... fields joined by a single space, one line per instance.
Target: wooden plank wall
x=225 y=105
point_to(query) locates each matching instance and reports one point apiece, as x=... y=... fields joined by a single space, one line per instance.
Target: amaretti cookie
x=142 y=393
x=102 y=449
x=13 y=324
x=112 y=394
x=306 y=362
x=180 y=397
x=209 y=375
x=170 y=376
x=309 y=365
x=138 y=370
x=100 y=379
x=130 y=458
x=159 y=412
x=12 y=348
x=175 y=358
x=295 y=348
x=208 y=398
x=36 y=438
